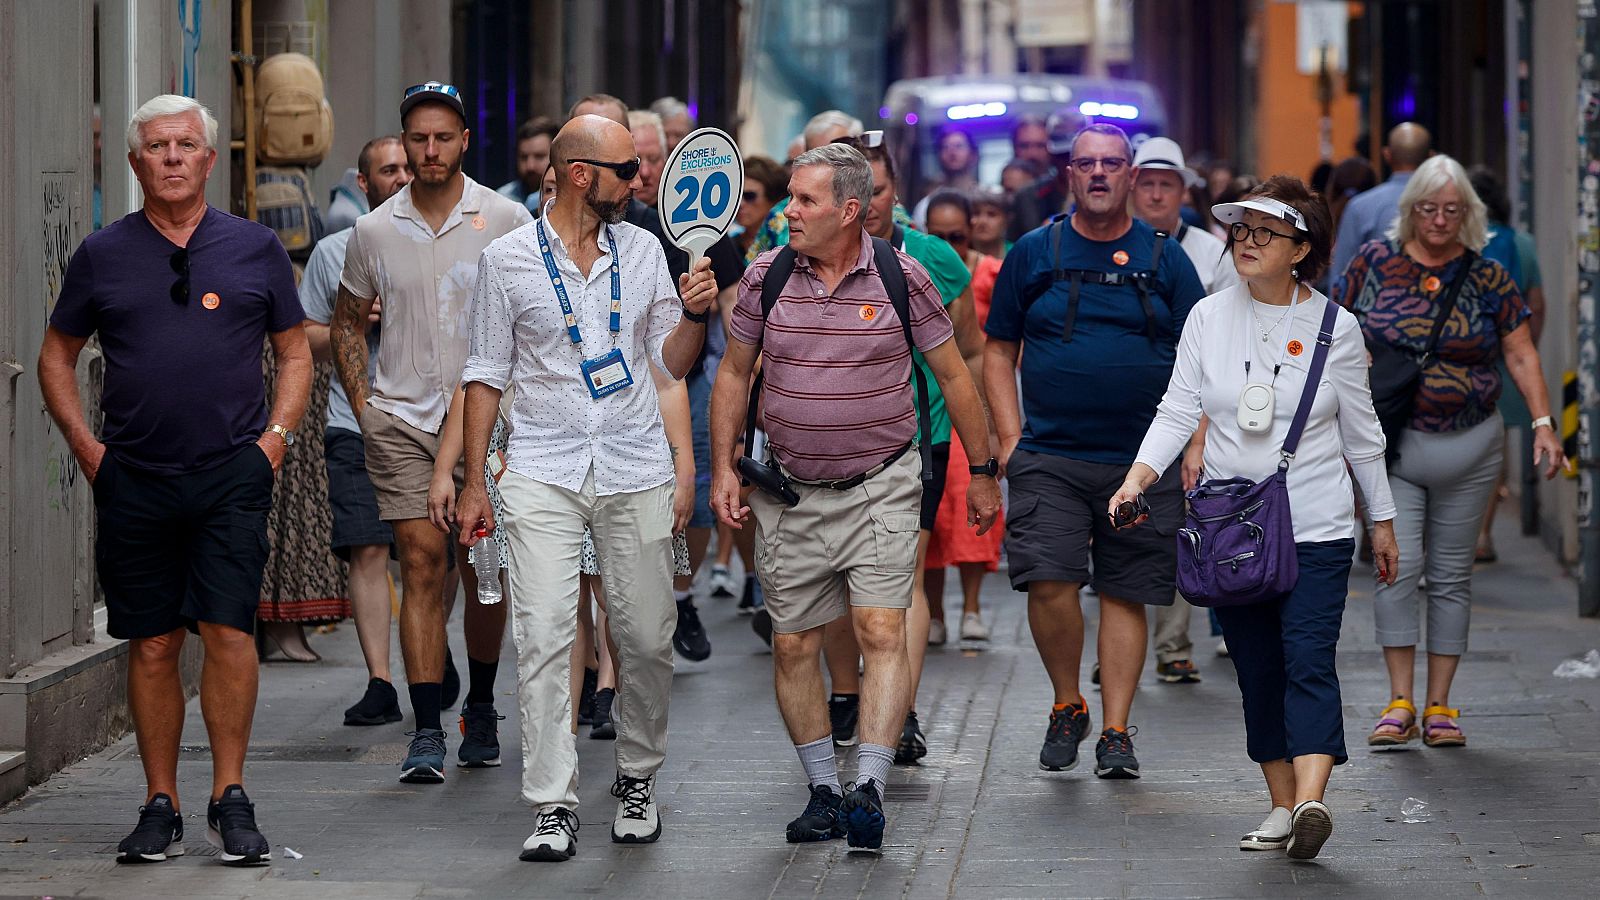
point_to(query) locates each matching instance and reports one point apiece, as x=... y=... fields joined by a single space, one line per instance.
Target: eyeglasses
x=1260 y=236
x=179 y=262
x=433 y=87
x=625 y=170
x=751 y=196
x=951 y=237
x=1452 y=211
x=1085 y=164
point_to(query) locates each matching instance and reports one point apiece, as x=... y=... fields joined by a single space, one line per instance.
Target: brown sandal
x=1407 y=731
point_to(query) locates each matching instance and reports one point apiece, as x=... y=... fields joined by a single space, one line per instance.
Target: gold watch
x=280 y=431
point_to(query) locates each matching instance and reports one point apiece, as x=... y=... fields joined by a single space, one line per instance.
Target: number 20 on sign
x=699 y=188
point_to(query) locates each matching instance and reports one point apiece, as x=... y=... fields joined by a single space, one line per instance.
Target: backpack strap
x=1449 y=304
x=894 y=282
x=1319 y=360
x=1142 y=282
x=777 y=275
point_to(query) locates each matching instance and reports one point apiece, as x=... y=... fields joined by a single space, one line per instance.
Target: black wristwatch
x=697 y=318
x=990 y=468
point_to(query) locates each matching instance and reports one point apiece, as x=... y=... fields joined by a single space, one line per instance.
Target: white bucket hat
x=1165 y=154
x=1228 y=213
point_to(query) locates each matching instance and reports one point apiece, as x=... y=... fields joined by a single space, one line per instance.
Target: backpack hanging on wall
x=284 y=204
x=295 y=124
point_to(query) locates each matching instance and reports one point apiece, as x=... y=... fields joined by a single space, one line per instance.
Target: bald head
x=589 y=136
x=603 y=105
x=1408 y=146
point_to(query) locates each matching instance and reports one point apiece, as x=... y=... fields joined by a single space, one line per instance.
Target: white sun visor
x=1234 y=212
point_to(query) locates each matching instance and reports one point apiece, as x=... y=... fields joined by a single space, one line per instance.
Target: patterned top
x=1396 y=299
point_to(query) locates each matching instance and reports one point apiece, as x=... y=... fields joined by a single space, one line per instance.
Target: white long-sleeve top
x=1222 y=332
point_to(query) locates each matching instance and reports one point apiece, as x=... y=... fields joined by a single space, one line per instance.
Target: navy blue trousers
x=1283 y=653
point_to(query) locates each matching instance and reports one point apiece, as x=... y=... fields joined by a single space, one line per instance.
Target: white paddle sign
x=700 y=190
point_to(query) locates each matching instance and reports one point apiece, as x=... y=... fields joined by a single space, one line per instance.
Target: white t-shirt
x=1212 y=261
x=1224 y=330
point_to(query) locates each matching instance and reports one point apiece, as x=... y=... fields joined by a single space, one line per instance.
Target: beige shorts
x=400 y=463
x=836 y=549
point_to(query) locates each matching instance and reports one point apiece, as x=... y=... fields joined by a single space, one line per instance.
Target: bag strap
x=1319 y=361
x=1449 y=305
x=777 y=275
x=894 y=281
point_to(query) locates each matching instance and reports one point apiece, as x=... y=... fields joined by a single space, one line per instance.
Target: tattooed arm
x=347 y=335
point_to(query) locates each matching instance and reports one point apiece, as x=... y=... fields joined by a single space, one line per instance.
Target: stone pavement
x=1517 y=814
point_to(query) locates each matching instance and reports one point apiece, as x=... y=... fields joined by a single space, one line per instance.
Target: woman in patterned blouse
x=1450 y=452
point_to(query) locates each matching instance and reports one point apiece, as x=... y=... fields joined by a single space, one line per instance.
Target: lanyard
x=561 y=289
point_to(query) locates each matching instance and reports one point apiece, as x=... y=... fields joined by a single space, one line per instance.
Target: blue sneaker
x=424 y=762
x=862 y=811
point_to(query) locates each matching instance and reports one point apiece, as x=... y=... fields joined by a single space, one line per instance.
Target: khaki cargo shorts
x=400 y=464
x=836 y=549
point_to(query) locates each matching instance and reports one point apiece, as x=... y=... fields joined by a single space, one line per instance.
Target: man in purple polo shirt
x=182 y=296
x=841 y=421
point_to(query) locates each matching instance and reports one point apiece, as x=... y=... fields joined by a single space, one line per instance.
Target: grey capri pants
x=1441 y=486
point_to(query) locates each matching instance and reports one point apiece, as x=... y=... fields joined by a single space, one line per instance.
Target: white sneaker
x=722 y=583
x=972 y=627
x=937 y=634
x=1271 y=834
x=1309 y=829
x=638 y=821
x=1222 y=648
x=555 y=839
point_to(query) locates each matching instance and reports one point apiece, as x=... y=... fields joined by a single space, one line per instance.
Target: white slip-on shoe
x=1309 y=828
x=1271 y=834
x=554 y=839
x=638 y=820
x=972 y=628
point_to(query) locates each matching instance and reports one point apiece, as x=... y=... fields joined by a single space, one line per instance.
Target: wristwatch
x=1545 y=421
x=697 y=318
x=280 y=431
x=990 y=468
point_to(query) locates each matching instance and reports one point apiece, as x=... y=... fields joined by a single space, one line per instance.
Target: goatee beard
x=610 y=211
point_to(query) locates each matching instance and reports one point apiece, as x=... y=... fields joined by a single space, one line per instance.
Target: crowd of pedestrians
x=531 y=395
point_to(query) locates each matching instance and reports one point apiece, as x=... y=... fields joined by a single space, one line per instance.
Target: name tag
x=605 y=375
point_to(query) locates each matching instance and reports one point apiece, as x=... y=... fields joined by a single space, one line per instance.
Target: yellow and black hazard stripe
x=1569 y=421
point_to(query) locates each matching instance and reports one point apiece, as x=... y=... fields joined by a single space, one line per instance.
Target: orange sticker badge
x=1296 y=348
x=868 y=313
x=211 y=300
x=1431 y=283
x=1120 y=257
x=478 y=223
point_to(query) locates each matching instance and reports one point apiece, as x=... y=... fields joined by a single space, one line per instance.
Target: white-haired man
x=182 y=471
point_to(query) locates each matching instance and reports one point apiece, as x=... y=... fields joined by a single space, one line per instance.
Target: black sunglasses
x=625 y=170
x=751 y=196
x=179 y=262
x=952 y=237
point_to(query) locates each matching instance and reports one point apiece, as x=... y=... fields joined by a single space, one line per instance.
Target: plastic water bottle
x=486 y=562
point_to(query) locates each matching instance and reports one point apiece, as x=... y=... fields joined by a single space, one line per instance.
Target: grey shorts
x=1057 y=524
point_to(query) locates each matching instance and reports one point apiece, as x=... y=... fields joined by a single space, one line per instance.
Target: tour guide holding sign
x=571 y=311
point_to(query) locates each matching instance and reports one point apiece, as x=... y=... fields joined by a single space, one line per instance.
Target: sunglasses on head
x=433 y=87
x=179 y=262
x=625 y=170
x=866 y=140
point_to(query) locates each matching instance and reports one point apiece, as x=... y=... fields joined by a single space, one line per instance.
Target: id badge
x=605 y=375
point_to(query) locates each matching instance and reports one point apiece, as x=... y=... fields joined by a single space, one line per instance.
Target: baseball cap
x=1063 y=126
x=1165 y=154
x=1228 y=213
x=433 y=92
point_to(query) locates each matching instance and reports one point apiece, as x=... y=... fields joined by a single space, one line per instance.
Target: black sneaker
x=450 y=685
x=821 y=821
x=378 y=706
x=157 y=837
x=480 y=737
x=912 y=746
x=1179 y=671
x=231 y=828
x=1113 y=755
x=1068 y=727
x=586 y=697
x=747 y=600
x=862 y=811
x=689 y=637
x=843 y=710
x=761 y=624
x=602 y=728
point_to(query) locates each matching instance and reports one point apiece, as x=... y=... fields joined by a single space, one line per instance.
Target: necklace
x=1266 y=333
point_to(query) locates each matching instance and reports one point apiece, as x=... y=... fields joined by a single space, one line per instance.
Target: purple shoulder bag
x=1236 y=545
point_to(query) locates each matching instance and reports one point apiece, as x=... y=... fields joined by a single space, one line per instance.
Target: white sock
x=818 y=760
x=681 y=596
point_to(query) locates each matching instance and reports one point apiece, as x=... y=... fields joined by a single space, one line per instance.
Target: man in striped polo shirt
x=841 y=422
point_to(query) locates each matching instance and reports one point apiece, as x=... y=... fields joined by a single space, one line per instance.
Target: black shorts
x=176 y=550
x=350 y=495
x=1057 y=520
x=933 y=488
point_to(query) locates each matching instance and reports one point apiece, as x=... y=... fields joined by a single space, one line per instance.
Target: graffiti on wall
x=57 y=233
x=189 y=60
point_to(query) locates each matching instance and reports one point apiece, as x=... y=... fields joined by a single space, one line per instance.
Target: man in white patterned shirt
x=572 y=311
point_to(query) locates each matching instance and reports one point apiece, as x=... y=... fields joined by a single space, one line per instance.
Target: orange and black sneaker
x=1069 y=725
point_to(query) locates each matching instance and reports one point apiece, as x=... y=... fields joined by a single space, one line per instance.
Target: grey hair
x=852 y=174
x=832 y=118
x=1434 y=173
x=668 y=107
x=164 y=106
x=643 y=118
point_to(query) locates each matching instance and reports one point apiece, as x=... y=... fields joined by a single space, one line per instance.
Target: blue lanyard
x=561 y=289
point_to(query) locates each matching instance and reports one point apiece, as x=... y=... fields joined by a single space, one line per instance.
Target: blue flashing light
x=975 y=111
x=1125 y=111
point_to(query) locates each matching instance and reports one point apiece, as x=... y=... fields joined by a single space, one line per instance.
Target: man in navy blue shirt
x=1098 y=299
x=182 y=296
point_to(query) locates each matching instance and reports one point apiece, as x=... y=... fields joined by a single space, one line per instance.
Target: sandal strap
x=1438 y=710
x=1400 y=703
x=1395 y=722
x=1441 y=726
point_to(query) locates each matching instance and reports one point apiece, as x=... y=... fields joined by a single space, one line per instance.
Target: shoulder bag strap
x=778 y=272
x=1449 y=305
x=894 y=282
x=1319 y=361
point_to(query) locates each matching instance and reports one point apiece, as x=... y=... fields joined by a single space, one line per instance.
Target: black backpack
x=1143 y=282
x=894 y=282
